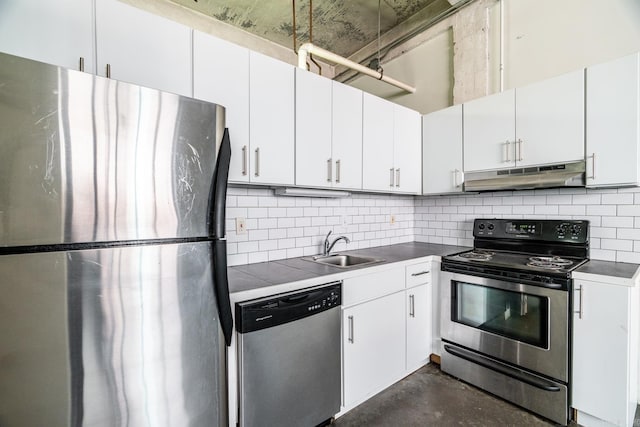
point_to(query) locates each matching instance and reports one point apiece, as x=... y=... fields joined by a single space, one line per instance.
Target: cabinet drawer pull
x=257 y=173
x=81 y=65
x=420 y=273
x=593 y=166
x=398 y=178
x=412 y=305
x=338 y=171
x=579 y=311
x=108 y=71
x=507 y=146
x=329 y=177
x=351 y=329
x=244 y=160
x=391 y=177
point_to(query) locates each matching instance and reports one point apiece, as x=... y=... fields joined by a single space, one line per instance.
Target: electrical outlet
x=392 y=220
x=241 y=225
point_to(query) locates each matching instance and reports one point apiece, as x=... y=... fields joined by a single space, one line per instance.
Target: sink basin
x=344 y=261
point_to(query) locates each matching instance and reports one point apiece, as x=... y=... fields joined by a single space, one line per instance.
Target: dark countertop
x=253 y=276
x=621 y=270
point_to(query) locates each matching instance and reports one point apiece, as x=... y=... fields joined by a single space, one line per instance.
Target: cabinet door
x=377 y=144
x=613 y=131
x=550 y=120
x=347 y=136
x=271 y=127
x=489 y=132
x=226 y=83
x=418 y=326
x=407 y=150
x=143 y=48
x=374 y=346
x=314 y=166
x=442 y=151
x=601 y=338
x=57 y=32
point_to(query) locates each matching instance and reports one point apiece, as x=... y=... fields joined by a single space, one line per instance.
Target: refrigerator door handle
x=217 y=202
x=218 y=196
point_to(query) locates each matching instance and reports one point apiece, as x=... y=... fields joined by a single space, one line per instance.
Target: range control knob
x=576 y=229
x=562 y=228
x=490 y=226
x=481 y=226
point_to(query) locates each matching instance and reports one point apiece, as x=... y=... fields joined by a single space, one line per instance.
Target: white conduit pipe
x=309 y=48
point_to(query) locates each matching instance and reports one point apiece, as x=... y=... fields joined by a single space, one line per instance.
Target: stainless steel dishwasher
x=289 y=350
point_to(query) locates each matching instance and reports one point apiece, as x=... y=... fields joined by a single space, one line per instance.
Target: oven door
x=520 y=324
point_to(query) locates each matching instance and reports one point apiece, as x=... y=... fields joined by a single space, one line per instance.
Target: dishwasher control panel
x=274 y=310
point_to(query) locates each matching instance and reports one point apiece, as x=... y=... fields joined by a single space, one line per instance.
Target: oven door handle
x=503 y=369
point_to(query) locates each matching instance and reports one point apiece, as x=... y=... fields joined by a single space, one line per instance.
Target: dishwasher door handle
x=350 y=329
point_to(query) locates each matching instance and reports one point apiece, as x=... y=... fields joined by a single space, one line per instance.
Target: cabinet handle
x=337 y=171
x=519 y=150
x=456 y=183
x=108 y=71
x=244 y=160
x=398 y=178
x=351 y=329
x=391 y=177
x=329 y=177
x=81 y=65
x=420 y=273
x=507 y=146
x=412 y=306
x=579 y=311
x=593 y=166
x=257 y=162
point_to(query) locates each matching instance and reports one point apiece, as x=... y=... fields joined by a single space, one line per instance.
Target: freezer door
x=89 y=159
x=125 y=336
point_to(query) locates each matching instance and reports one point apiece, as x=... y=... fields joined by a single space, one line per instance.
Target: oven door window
x=519 y=316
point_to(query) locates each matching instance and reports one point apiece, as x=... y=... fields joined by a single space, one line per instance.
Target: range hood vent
x=548 y=176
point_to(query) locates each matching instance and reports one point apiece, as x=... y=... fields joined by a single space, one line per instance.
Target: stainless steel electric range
x=506 y=310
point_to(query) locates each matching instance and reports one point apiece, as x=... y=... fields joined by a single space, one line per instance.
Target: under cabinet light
x=310 y=192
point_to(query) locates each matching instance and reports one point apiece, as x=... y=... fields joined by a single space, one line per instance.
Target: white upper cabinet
x=613 y=123
x=550 y=121
x=313 y=130
x=390 y=150
x=538 y=124
x=442 y=151
x=58 y=32
x=271 y=126
x=377 y=144
x=489 y=132
x=407 y=149
x=226 y=83
x=346 y=138
x=143 y=48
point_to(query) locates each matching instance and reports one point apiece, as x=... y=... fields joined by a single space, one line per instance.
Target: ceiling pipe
x=311 y=49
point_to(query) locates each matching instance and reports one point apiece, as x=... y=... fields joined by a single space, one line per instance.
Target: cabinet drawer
x=418 y=274
x=370 y=286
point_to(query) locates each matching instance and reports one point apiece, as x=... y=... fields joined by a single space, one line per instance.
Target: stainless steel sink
x=344 y=261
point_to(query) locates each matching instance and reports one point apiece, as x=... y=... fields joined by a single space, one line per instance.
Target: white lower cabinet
x=386 y=329
x=374 y=347
x=418 y=302
x=605 y=353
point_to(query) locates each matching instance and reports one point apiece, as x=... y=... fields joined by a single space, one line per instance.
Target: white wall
x=545 y=38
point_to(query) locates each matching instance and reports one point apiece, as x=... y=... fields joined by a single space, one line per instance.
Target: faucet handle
x=328 y=234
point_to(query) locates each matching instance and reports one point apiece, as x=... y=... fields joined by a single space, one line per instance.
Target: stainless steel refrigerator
x=114 y=303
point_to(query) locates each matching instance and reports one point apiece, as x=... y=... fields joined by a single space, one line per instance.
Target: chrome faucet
x=328 y=246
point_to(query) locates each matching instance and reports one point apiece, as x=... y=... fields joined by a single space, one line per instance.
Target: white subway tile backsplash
x=283 y=227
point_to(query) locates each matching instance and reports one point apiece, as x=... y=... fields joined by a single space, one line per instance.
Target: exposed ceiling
x=342 y=26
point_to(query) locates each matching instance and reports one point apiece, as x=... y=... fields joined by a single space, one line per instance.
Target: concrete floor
x=429 y=397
